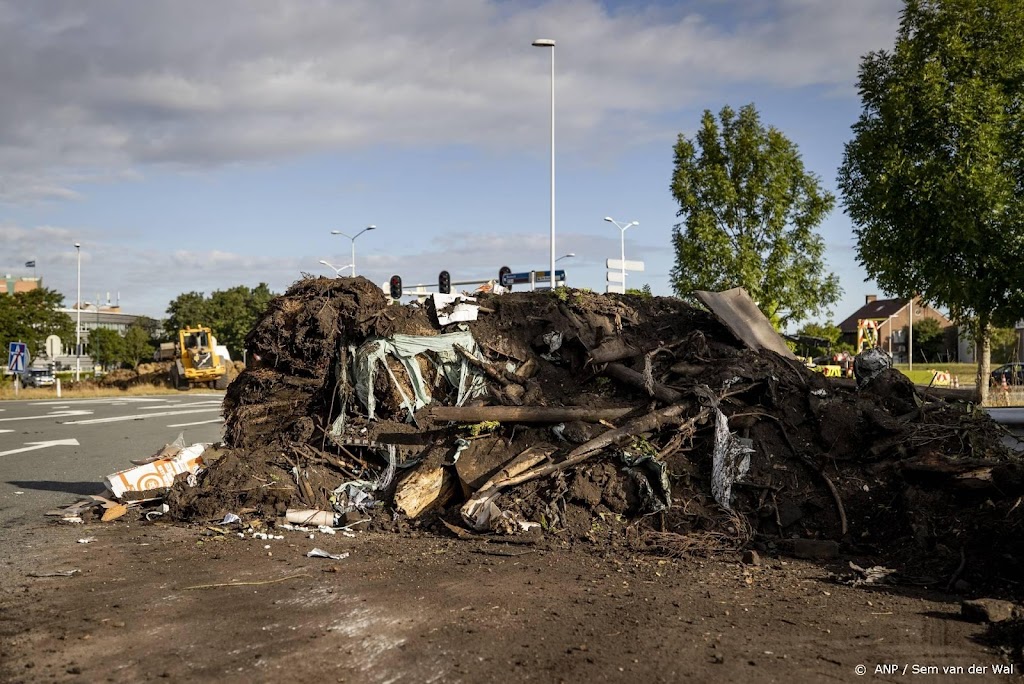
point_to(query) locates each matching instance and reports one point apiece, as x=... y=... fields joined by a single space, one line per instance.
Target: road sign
x=618 y=289
x=17 y=352
x=538 y=277
x=53 y=346
x=515 y=278
x=615 y=277
x=629 y=265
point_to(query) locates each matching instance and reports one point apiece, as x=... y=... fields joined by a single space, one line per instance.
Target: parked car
x=1012 y=373
x=37 y=377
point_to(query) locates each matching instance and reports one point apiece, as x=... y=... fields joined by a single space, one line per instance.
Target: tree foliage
x=933 y=176
x=230 y=313
x=138 y=346
x=749 y=211
x=31 y=317
x=106 y=347
x=929 y=340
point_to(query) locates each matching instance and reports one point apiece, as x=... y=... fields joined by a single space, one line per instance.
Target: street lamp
x=78 y=322
x=622 y=233
x=337 y=269
x=565 y=256
x=353 y=239
x=549 y=43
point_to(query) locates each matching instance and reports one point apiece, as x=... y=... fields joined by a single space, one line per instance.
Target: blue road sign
x=17 y=352
x=538 y=276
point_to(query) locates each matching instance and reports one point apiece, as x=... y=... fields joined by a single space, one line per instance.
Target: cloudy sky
x=195 y=146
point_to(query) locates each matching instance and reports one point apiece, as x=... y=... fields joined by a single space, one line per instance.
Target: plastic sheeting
x=731 y=461
x=406 y=349
x=651 y=477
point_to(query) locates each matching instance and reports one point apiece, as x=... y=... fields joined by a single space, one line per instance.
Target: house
x=892 y=318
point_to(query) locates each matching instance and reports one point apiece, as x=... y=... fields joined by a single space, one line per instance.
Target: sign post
x=616 y=276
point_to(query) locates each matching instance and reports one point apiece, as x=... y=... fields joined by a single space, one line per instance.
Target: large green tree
x=749 y=212
x=230 y=313
x=31 y=317
x=138 y=346
x=106 y=347
x=934 y=175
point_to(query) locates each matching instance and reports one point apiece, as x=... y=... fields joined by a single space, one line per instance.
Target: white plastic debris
x=320 y=553
x=730 y=463
x=86 y=540
x=230 y=518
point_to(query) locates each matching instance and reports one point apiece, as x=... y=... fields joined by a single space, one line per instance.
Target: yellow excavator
x=197 y=361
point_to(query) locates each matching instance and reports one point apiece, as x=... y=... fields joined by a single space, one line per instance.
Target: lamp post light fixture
x=565 y=256
x=549 y=43
x=353 y=239
x=337 y=269
x=622 y=232
x=78 y=321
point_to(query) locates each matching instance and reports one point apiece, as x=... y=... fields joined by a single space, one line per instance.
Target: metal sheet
x=741 y=316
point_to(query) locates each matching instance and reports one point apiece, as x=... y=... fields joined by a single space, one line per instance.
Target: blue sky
x=197 y=146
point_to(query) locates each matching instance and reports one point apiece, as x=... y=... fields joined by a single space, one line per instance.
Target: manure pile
x=639 y=422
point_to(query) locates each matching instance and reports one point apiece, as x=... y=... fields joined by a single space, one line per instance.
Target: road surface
x=53 y=450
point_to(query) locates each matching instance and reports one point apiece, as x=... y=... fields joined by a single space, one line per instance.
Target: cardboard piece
x=158 y=474
x=741 y=316
x=454 y=308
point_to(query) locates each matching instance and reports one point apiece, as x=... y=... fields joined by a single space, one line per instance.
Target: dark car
x=1011 y=373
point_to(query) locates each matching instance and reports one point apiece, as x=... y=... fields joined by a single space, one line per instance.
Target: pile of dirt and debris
x=155 y=374
x=631 y=420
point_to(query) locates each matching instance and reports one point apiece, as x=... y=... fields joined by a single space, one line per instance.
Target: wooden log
x=613 y=349
x=524 y=414
x=479 y=511
x=423 y=489
x=631 y=377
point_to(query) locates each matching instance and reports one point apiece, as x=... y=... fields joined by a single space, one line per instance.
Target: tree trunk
x=983 y=345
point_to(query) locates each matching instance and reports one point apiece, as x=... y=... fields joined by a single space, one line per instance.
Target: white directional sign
x=614 y=277
x=53 y=346
x=627 y=264
x=618 y=289
x=32 y=446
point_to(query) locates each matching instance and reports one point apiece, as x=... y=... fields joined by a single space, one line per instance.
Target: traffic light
x=502 y=272
x=444 y=282
x=396 y=287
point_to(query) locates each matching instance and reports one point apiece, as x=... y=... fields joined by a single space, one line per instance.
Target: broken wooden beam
x=423 y=489
x=524 y=414
x=631 y=377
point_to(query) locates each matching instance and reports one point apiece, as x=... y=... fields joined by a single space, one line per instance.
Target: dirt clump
x=623 y=420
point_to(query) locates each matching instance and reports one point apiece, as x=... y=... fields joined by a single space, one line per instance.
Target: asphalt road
x=52 y=451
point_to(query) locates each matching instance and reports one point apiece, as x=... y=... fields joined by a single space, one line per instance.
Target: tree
x=829 y=335
x=231 y=313
x=749 y=211
x=106 y=347
x=929 y=340
x=188 y=309
x=137 y=345
x=932 y=177
x=31 y=317
x=644 y=291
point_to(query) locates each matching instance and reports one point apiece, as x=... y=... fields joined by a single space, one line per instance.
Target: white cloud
x=105 y=87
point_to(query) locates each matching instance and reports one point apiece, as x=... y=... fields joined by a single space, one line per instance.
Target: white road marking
x=55 y=414
x=138 y=416
x=94 y=401
x=178 y=406
x=32 y=446
x=201 y=422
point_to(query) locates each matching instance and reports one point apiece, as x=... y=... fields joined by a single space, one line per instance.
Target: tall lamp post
x=353 y=239
x=622 y=233
x=337 y=269
x=549 y=43
x=78 y=320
